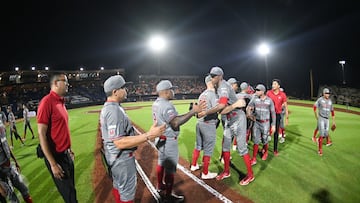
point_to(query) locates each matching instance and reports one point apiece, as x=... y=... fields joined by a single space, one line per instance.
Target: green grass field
x=297 y=175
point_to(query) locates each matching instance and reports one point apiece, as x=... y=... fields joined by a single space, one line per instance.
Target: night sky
x=304 y=35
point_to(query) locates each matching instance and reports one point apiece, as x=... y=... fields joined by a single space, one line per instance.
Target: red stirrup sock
x=246 y=158
x=195 y=157
x=116 y=195
x=255 y=151
x=206 y=161
x=160 y=177
x=226 y=156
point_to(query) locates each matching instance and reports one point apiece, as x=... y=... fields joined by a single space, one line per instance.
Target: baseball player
x=235 y=124
x=27 y=121
x=243 y=94
x=9 y=172
x=164 y=112
x=324 y=104
x=206 y=132
x=235 y=86
x=119 y=140
x=263 y=109
x=280 y=100
x=13 y=130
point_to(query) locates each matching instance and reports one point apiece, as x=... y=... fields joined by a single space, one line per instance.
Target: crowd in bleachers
x=88 y=92
x=91 y=91
x=345 y=95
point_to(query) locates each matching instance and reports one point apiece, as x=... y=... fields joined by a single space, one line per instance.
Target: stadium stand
x=86 y=88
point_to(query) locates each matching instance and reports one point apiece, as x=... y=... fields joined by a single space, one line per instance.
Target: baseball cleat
x=282 y=140
x=194 y=168
x=248 y=179
x=222 y=176
x=173 y=198
x=208 y=176
x=234 y=147
x=253 y=161
x=276 y=153
x=320 y=152
x=264 y=157
x=328 y=144
x=314 y=139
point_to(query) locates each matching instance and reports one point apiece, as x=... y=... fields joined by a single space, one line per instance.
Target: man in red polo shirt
x=280 y=100
x=54 y=136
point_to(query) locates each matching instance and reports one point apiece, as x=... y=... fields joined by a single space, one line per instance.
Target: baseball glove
x=333 y=127
x=251 y=117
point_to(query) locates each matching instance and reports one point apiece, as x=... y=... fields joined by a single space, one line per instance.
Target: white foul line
x=192 y=176
x=147 y=182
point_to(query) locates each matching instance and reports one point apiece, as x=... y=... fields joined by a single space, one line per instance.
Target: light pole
x=342 y=63
x=264 y=50
x=157 y=43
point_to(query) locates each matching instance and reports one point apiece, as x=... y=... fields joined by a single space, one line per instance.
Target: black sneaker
x=174 y=198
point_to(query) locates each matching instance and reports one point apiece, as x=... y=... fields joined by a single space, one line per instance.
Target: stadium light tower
x=263 y=50
x=101 y=68
x=157 y=44
x=81 y=68
x=16 y=68
x=342 y=63
x=33 y=68
x=46 y=68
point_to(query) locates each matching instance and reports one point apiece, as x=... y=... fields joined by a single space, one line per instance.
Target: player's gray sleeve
x=115 y=123
x=252 y=102
x=169 y=113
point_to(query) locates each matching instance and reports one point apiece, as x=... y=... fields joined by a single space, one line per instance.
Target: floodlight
x=157 y=43
x=263 y=49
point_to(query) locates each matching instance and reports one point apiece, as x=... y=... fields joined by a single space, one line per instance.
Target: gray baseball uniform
x=263 y=109
x=7 y=171
x=115 y=124
x=164 y=112
x=235 y=122
x=325 y=108
x=11 y=119
x=282 y=115
x=206 y=126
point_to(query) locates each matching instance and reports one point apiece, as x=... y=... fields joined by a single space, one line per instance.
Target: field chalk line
x=186 y=172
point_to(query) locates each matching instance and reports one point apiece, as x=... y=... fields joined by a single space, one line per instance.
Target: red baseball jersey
x=278 y=99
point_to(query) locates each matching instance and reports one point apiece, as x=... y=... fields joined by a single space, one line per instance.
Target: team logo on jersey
x=111 y=130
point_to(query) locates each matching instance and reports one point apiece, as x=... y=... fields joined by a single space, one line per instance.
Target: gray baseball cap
x=164 y=85
x=244 y=86
x=326 y=91
x=207 y=79
x=114 y=82
x=216 y=71
x=232 y=81
x=260 y=87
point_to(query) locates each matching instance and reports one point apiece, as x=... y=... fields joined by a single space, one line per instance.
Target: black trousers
x=276 y=134
x=66 y=185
